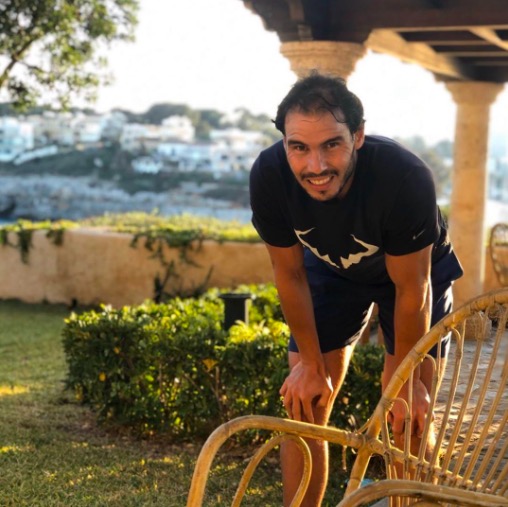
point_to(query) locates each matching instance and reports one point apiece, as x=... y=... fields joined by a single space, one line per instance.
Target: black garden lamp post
x=236 y=307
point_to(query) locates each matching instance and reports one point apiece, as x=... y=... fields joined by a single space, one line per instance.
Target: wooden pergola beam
x=490 y=36
x=389 y=42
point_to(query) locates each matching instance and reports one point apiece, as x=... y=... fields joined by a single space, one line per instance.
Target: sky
x=217 y=54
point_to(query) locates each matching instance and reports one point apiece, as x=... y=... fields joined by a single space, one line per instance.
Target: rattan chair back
x=464 y=449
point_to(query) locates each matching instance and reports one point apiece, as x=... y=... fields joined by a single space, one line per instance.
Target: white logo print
x=415 y=236
x=346 y=262
x=356 y=258
x=314 y=250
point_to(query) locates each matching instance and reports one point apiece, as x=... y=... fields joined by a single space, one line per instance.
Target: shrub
x=172 y=368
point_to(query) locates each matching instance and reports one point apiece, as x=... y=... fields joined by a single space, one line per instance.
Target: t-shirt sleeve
x=412 y=223
x=267 y=203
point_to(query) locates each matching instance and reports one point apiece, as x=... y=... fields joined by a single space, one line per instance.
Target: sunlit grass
x=53 y=453
x=12 y=390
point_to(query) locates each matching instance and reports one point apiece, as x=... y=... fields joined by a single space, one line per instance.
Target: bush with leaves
x=169 y=367
x=172 y=367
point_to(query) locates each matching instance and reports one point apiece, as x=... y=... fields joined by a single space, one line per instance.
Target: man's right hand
x=307 y=384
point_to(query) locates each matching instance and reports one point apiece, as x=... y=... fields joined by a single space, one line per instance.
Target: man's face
x=321 y=153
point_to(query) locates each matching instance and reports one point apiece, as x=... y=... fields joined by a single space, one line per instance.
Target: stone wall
x=93 y=266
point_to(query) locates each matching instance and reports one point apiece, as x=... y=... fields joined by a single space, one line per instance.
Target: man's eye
x=333 y=144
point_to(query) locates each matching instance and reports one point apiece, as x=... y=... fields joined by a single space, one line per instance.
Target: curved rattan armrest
x=422 y=491
x=275 y=424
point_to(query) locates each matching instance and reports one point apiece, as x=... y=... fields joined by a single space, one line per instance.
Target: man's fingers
x=296 y=410
x=322 y=400
x=301 y=394
x=287 y=402
x=307 y=411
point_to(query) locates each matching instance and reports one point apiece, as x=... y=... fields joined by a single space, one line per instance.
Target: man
x=348 y=220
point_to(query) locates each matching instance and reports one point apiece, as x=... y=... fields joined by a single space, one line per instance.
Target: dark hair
x=322 y=93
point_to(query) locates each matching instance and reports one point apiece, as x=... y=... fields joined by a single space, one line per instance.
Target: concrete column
x=469 y=182
x=328 y=57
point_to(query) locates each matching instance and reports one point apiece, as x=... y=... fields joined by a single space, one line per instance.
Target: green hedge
x=172 y=368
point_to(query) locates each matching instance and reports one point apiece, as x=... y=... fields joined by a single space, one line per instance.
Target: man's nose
x=317 y=161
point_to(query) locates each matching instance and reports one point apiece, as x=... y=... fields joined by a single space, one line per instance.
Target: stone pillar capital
x=474 y=92
x=328 y=57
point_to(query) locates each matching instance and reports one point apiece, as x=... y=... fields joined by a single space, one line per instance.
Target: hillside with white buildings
x=146 y=154
x=172 y=145
x=34 y=147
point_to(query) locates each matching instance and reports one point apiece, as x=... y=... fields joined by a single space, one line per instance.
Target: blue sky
x=216 y=54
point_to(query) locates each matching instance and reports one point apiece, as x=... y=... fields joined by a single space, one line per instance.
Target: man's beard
x=332 y=172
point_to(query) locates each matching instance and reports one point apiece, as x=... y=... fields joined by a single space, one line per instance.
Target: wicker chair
x=468 y=464
x=499 y=252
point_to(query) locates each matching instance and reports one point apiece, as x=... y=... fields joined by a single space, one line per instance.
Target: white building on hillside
x=137 y=136
x=178 y=127
x=228 y=150
x=133 y=135
x=88 y=129
x=114 y=123
x=146 y=165
x=238 y=148
x=188 y=156
x=15 y=138
x=51 y=127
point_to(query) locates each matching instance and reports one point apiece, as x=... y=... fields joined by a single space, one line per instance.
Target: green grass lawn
x=53 y=453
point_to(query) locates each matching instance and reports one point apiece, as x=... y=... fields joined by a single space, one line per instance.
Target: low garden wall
x=94 y=266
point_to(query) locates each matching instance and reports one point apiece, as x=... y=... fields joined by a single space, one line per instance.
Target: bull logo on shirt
x=346 y=262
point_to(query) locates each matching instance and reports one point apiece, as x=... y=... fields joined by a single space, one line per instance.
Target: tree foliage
x=159 y=112
x=250 y=121
x=205 y=120
x=55 y=47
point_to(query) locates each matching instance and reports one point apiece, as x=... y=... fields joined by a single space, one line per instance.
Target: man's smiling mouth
x=319 y=181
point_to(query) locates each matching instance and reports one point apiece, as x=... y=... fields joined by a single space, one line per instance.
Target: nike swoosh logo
x=357 y=257
x=416 y=236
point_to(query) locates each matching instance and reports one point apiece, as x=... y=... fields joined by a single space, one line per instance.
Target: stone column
x=328 y=57
x=469 y=182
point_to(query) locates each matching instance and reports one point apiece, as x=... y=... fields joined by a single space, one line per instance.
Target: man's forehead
x=335 y=112
x=318 y=124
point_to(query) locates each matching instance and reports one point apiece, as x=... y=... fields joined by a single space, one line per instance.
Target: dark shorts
x=342 y=308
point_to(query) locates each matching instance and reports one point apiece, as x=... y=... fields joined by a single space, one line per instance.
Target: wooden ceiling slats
x=468 y=38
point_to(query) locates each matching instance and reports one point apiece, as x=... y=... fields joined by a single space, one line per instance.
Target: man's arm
x=413 y=303
x=308 y=382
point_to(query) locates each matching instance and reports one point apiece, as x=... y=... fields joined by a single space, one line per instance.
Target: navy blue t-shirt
x=389 y=208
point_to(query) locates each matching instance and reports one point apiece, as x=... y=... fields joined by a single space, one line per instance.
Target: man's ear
x=359 y=136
